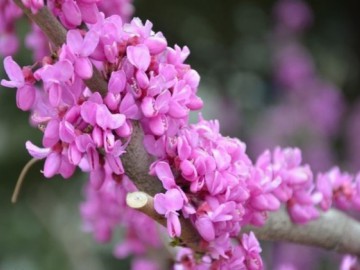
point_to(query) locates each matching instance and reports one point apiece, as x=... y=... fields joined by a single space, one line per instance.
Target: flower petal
x=139 y=56
x=37 y=152
x=52 y=164
x=25 y=97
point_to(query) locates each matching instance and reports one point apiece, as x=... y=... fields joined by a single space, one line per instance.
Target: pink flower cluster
x=105 y=211
x=71 y=13
x=147 y=81
x=210 y=180
x=207 y=178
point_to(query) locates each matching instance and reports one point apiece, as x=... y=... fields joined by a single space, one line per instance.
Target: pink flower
x=139 y=56
x=168 y=204
x=79 y=50
x=26 y=93
x=252 y=251
x=56 y=78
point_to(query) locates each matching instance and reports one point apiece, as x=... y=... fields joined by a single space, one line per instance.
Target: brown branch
x=144 y=203
x=333 y=230
x=137 y=162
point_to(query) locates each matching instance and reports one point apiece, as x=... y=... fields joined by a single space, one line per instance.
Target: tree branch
x=137 y=162
x=333 y=230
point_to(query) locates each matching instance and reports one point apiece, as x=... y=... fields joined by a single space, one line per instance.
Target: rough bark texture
x=137 y=161
x=333 y=230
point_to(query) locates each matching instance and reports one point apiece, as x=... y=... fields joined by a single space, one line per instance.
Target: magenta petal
x=148 y=107
x=93 y=157
x=111 y=52
x=196 y=103
x=142 y=79
x=192 y=78
x=117 y=82
x=37 y=152
x=71 y=13
x=158 y=125
x=125 y=130
x=156 y=44
x=139 y=56
x=72 y=114
x=66 y=132
x=164 y=173
x=173 y=225
x=260 y=203
x=205 y=228
x=129 y=108
x=25 y=97
x=115 y=164
x=160 y=203
x=97 y=136
x=118 y=149
x=83 y=142
x=162 y=102
x=74 y=40
x=91 y=40
x=88 y=112
x=14 y=72
x=66 y=169
x=52 y=164
x=51 y=134
x=112 y=101
x=74 y=155
x=107 y=120
x=63 y=70
x=183 y=148
x=188 y=170
x=97 y=178
x=177 y=111
x=109 y=141
x=89 y=12
x=174 y=199
x=55 y=93
x=83 y=67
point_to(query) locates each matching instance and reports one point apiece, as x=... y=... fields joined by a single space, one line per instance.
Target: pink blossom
x=79 y=49
x=26 y=93
x=168 y=204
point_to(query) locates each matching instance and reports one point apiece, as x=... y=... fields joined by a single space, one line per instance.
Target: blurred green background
x=230 y=43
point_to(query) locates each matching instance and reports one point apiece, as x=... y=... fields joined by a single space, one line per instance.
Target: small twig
x=21 y=179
